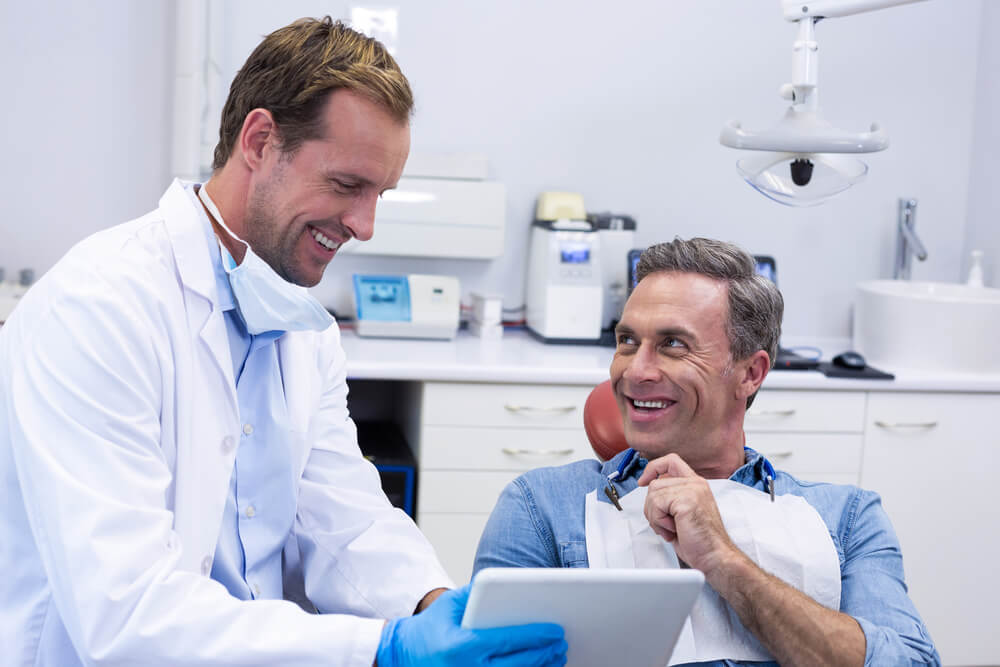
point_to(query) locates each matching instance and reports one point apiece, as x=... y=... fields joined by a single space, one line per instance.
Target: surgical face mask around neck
x=267 y=301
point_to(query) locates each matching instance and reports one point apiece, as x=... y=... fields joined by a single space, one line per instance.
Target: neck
x=229 y=197
x=716 y=456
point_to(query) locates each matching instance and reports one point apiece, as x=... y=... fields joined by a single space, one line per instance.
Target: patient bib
x=786 y=538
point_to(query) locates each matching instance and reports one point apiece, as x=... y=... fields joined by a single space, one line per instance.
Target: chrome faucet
x=907 y=242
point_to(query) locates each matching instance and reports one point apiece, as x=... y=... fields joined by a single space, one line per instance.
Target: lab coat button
x=247 y=429
x=206 y=565
x=227 y=444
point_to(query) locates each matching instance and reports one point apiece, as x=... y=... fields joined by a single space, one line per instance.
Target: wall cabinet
x=475 y=438
x=932 y=457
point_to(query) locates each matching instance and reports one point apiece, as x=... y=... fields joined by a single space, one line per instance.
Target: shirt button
x=251 y=512
x=256 y=591
x=247 y=429
x=227 y=444
x=206 y=565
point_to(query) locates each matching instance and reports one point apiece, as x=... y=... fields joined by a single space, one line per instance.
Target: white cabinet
x=814 y=435
x=475 y=438
x=933 y=457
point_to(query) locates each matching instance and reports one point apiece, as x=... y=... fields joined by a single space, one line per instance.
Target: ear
x=258 y=136
x=753 y=369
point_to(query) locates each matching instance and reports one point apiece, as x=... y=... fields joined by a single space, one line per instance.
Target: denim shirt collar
x=751 y=473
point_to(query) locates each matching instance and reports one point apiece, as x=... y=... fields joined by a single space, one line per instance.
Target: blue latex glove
x=435 y=638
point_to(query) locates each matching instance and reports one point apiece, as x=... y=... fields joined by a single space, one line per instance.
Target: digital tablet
x=610 y=616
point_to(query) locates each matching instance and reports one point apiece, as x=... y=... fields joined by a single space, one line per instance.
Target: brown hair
x=294 y=69
x=755 y=304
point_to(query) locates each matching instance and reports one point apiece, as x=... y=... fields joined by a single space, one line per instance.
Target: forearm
x=428 y=599
x=792 y=626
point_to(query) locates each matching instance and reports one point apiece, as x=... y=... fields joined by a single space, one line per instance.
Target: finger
x=668 y=535
x=670 y=465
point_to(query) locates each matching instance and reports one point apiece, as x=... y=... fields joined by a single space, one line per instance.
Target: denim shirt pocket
x=573 y=554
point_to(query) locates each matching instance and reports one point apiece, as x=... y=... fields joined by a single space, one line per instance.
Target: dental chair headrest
x=603 y=422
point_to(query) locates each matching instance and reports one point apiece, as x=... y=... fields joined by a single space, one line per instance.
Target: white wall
x=86 y=120
x=620 y=101
x=984 y=201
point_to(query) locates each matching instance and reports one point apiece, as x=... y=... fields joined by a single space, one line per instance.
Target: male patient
x=799 y=573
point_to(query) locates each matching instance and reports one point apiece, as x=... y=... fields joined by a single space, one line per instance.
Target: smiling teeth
x=649 y=404
x=323 y=240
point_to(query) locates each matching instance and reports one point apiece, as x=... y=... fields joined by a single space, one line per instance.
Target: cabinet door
x=932 y=457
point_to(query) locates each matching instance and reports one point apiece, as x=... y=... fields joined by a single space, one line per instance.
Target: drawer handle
x=773 y=413
x=537 y=452
x=895 y=425
x=528 y=409
x=779 y=456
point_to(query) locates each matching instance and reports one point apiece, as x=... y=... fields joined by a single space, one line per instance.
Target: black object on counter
x=865 y=373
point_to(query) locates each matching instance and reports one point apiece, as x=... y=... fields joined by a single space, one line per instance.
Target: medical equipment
x=565 y=291
x=411 y=306
x=617 y=234
x=804 y=159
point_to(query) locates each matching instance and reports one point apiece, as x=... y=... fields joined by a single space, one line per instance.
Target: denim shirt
x=539 y=522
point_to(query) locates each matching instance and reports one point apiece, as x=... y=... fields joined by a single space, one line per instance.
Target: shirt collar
x=227 y=301
x=751 y=473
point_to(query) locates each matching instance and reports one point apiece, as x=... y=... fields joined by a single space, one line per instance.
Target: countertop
x=517 y=357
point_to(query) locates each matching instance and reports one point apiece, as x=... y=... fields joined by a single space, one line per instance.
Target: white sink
x=928 y=326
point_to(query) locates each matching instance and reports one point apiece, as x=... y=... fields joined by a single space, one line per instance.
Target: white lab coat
x=118 y=431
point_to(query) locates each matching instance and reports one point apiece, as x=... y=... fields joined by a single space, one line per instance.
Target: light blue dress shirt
x=539 y=521
x=260 y=508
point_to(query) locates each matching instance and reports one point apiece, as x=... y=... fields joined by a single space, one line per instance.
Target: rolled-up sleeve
x=873 y=590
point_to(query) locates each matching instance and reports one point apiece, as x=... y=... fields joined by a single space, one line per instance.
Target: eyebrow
x=348 y=176
x=681 y=332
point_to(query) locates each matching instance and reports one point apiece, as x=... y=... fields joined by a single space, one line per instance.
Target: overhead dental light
x=804 y=160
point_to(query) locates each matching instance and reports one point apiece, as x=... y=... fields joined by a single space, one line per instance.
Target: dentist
x=177 y=463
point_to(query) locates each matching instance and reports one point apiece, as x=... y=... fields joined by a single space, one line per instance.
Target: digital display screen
x=382 y=298
x=574 y=253
x=766 y=267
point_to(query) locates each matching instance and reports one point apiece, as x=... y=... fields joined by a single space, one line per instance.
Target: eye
x=625 y=339
x=344 y=187
x=674 y=344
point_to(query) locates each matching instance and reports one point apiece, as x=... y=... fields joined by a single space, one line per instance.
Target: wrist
x=384 y=655
x=732 y=570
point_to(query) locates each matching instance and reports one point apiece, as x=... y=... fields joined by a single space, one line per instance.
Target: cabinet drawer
x=467 y=448
x=454 y=538
x=829 y=411
x=461 y=491
x=504 y=405
x=812 y=456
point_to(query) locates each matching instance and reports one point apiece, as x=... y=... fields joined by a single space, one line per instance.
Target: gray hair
x=755 y=305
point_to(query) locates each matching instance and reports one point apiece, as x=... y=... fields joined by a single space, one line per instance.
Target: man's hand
x=681 y=509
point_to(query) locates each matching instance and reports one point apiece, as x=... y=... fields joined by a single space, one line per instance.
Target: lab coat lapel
x=207 y=448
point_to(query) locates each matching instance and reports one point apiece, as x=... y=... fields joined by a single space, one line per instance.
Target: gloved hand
x=435 y=638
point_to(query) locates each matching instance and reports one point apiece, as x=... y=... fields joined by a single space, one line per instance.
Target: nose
x=642 y=366
x=360 y=219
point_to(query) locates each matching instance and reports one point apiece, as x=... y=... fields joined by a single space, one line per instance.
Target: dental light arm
x=800 y=165
x=796 y=10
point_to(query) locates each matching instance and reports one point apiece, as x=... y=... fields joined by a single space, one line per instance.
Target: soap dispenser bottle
x=975 y=278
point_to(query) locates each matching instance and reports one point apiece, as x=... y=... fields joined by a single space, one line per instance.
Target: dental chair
x=603 y=422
